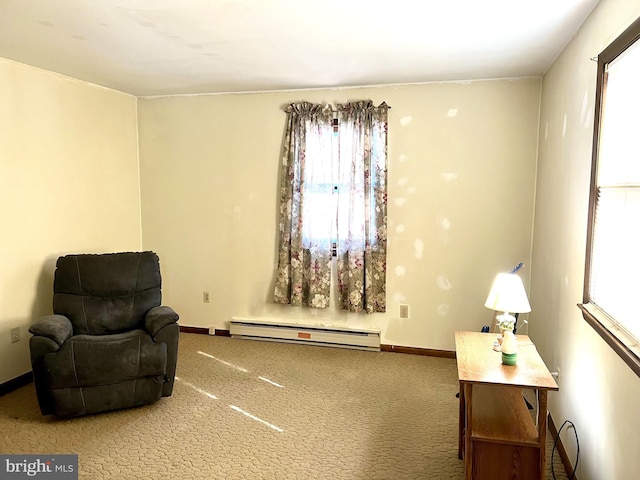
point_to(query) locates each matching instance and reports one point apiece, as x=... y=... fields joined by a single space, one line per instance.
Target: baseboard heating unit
x=322 y=335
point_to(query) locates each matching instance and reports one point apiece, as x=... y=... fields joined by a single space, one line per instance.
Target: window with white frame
x=322 y=187
x=612 y=273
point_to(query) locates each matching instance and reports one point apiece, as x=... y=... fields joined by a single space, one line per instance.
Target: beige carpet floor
x=257 y=410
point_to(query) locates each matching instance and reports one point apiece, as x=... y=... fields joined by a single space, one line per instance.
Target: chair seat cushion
x=88 y=360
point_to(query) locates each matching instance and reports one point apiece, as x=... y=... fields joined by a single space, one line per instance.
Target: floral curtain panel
x=362 y=206
x=304 y=260
x=320 y=202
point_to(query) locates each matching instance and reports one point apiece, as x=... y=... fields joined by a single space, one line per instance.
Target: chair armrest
x=55 y=327
x=158 y=318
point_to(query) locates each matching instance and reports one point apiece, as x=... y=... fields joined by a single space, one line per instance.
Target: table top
x=479 y=363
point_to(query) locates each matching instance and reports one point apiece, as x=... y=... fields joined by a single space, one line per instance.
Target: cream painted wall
x=69 y=183
x=462 y=160
x=598 y=392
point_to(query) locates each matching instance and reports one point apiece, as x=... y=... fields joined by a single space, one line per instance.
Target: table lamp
x=507 y=295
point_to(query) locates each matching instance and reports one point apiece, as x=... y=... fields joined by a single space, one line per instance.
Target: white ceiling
x=164 y=47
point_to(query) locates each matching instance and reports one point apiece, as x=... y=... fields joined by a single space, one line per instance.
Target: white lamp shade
x=508 y=295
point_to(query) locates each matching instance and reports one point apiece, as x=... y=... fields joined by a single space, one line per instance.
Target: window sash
x=612 y=278
x=615 y=256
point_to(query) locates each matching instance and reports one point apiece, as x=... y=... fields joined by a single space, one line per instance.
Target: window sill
x=622 y=343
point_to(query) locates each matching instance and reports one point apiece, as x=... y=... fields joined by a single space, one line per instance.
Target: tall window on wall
x=612 y=273
x=333 y=188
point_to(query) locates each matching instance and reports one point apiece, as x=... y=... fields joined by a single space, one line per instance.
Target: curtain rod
x=331 y=106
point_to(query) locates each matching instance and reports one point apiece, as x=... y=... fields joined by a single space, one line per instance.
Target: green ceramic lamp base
x=509 y=358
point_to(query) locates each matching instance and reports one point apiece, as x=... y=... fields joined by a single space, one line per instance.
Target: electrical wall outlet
x=205 y=297
x=404 y=311
x=15 y=335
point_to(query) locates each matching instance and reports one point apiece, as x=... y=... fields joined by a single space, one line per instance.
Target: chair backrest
x=106 y=293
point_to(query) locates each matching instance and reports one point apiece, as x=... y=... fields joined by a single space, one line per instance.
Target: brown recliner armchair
x=109 y=344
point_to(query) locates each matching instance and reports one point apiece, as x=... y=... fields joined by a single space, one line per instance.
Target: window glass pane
x=615 y=266
x=317 y=199
x=620 y=131
x=351 y=190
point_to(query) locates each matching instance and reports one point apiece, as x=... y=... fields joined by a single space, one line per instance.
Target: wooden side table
x=497 y=436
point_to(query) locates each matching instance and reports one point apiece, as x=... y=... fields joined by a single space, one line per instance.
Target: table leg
x=461 y=421
x=468 y=454
x=542 y=431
